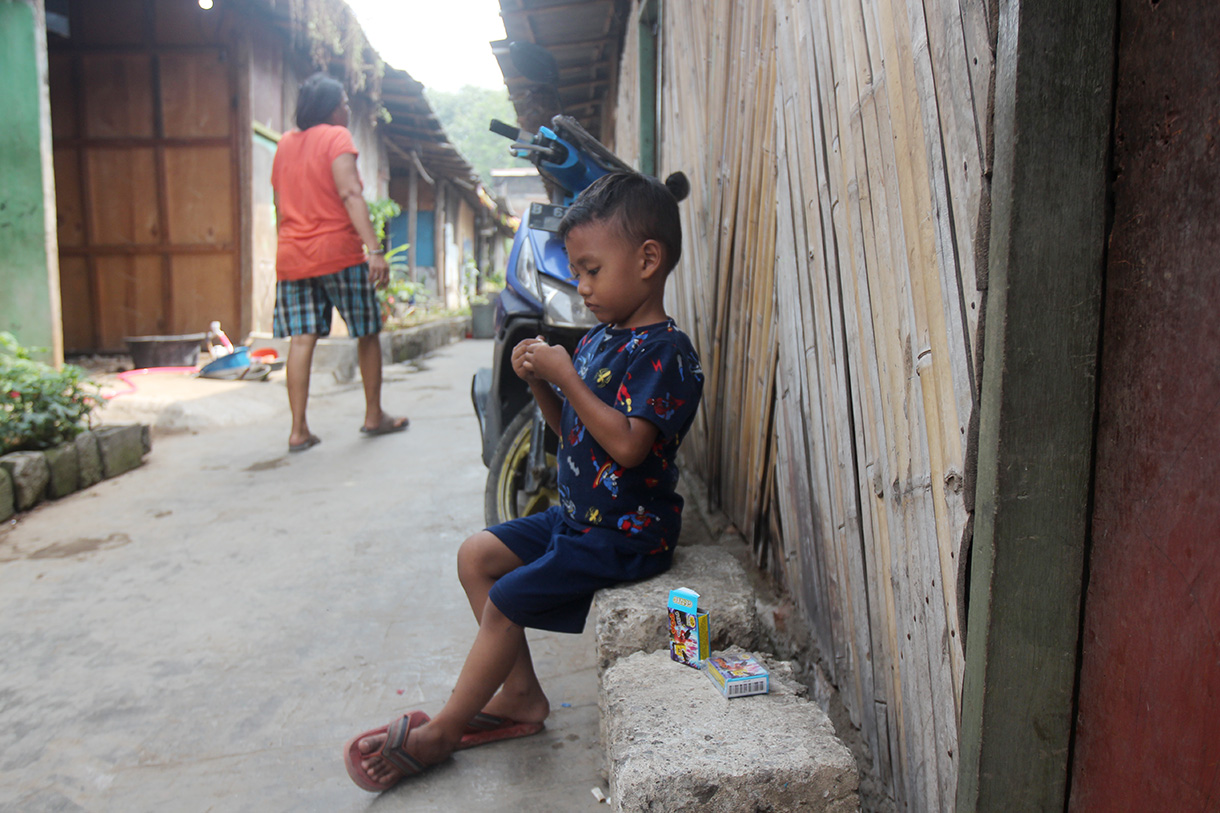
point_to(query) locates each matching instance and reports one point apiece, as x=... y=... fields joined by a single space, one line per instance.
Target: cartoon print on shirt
x=565 y=499
x=593 y=516
x=696 y=368
x=624 y=397
x=572 y=465
x=603 y=377
x=577 y=435
x=633 y=342
x=634 y=523
x=665 y=405
x=608 y=475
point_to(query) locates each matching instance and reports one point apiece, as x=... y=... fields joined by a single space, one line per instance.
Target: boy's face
x=616 y=279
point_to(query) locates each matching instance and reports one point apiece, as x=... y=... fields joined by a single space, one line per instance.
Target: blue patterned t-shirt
x=649 y=372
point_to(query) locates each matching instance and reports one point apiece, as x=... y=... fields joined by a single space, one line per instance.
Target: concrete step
x=674 y=743
x=633 y=617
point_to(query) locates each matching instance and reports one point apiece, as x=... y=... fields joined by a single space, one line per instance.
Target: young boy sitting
x=620 y=407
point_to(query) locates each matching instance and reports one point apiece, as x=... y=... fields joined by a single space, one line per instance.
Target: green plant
x=40 y=407
x=382 y=211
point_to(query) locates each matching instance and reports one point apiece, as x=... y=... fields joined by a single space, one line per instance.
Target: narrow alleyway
x=204 y=633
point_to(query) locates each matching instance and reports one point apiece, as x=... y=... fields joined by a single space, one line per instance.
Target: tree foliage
x=465 y=115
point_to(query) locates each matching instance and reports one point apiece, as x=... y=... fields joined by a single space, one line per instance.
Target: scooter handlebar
x=507 y=130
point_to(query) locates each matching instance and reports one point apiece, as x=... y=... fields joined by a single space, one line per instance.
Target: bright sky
x=442 y=43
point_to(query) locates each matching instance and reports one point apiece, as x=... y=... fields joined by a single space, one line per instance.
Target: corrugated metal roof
x=414 y=128
x=586 y=39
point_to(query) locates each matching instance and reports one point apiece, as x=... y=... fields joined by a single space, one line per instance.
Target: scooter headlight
x=562 y=306
x=527 y=271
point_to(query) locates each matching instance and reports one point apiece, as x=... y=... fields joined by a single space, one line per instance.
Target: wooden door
x=1148 y=729
x=143 y=118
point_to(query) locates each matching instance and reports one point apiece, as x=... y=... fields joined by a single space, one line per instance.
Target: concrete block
x=633 y=617
x=7 y=509
x=30 y=474
x=412 y=342
x=65 y=471
x=674 y=743
x=88 y=459
x=121 y=448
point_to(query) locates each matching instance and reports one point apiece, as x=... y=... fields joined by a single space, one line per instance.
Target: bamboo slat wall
x=837 y=151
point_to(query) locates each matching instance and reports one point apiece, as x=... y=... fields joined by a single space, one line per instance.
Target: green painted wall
x=28 y=295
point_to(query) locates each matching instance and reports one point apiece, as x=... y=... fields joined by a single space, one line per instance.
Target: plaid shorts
x=303 y=306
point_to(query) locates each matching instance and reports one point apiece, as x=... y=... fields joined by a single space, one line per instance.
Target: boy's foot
x=378 y=759
x=506 y=716
x=530 y=707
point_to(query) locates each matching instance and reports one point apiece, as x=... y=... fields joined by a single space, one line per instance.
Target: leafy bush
x=40 y=406
x=381 y=212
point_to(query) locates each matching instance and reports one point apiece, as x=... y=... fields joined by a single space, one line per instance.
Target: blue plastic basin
x=240 y=357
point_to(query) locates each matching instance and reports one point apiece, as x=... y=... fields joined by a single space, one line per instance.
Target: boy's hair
x=639 y=206
x=318 y=97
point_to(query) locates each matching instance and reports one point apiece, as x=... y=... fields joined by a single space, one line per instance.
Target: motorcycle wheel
x=505 y=496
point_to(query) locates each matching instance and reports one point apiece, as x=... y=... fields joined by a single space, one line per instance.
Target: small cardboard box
x=688 y=631
x=737 y=676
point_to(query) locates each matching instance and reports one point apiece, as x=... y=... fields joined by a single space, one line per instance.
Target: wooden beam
x=577 y=5
x=1037 y=408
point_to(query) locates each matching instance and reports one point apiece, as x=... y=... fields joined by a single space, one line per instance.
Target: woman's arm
x=351 y=192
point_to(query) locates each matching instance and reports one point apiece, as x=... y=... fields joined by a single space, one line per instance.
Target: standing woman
x=323 y=226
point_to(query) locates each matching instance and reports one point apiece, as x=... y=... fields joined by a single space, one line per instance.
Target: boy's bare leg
x=482 y=559
x=497 y=648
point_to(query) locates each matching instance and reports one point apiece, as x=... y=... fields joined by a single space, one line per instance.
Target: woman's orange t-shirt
x=316 y=235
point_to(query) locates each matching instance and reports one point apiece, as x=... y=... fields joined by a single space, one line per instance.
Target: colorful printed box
x=737 y=677
x=688 y=632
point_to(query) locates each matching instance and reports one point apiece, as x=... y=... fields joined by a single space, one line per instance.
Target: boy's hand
x=518 y=358
x=545 y=361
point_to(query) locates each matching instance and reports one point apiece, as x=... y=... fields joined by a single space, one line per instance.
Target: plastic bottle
x=218 y=343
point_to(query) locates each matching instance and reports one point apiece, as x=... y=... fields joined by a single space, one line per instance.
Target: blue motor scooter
x=539 y=299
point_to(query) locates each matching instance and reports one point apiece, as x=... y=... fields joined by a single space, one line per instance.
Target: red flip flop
x=393 y=750
x=485 y=728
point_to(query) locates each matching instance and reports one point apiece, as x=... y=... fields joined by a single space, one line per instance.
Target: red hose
x=144 y=371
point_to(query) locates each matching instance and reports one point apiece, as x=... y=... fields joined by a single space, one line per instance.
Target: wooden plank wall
x=146 y=181
x=838 y=156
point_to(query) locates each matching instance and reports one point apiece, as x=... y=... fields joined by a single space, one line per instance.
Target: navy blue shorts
x=304 y=306
x=564 y=566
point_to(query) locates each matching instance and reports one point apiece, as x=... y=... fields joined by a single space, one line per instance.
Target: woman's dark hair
x=319 y=96
x=640 y=206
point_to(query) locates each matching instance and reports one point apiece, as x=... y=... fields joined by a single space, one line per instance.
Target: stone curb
x=30 y=474
x=673 y=742
x=27 y=478
x=7 y=508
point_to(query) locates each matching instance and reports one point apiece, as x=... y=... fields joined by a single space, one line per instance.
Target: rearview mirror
x=534 y=62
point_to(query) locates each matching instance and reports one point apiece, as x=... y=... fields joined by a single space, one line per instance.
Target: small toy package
x=688 y=632
x=738 y=676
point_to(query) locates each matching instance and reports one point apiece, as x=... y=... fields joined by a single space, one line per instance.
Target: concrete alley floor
x=205 y=633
